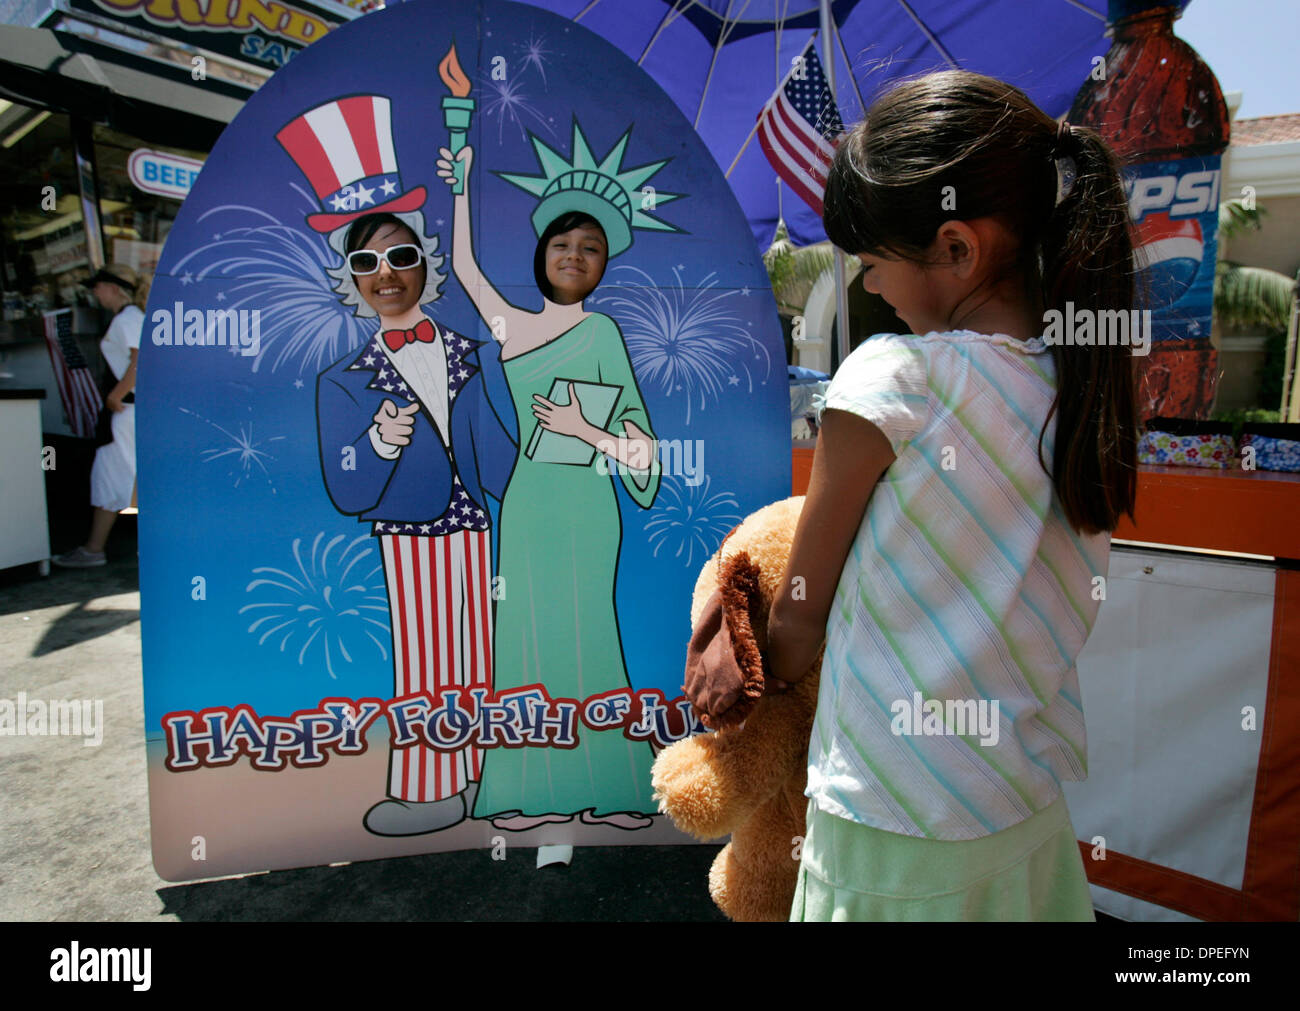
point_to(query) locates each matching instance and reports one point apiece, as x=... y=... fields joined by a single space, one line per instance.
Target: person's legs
x=101 y=523
x=91 y=553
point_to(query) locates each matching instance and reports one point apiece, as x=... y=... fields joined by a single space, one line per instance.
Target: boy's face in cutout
x=391 y=292
x=575 y=263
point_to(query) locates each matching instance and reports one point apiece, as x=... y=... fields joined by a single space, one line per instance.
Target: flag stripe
x=81 y=398
x=797 y=126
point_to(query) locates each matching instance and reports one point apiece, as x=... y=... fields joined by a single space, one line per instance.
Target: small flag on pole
x=798 y=126
x=81 y=399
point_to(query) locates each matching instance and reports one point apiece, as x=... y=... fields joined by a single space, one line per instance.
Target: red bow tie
x=398 y=339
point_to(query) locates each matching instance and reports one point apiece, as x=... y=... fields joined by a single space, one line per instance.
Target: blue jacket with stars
x=417 y=486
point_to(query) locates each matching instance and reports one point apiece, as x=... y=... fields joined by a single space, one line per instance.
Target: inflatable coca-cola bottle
x=1160 y=107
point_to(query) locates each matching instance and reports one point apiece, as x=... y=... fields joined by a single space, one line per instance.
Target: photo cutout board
x=395 y=599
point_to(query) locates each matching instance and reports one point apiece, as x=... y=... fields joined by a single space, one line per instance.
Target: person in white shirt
x=112 y=480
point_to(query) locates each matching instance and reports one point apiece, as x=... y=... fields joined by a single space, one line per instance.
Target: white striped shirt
x=965 y=584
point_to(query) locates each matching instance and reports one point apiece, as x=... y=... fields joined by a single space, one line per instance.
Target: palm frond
x=793 y=270
x=1252 y=296
x=1235 y=217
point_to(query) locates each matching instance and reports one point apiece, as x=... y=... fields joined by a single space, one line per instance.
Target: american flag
x=81 y=399
x=798 y=126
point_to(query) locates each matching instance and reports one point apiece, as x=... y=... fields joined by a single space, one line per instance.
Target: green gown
x=555 y=620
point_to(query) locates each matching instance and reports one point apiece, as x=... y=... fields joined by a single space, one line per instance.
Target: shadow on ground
x=605 y=884
x=28 y=591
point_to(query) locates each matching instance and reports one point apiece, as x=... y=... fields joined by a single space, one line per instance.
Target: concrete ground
x=74 y=820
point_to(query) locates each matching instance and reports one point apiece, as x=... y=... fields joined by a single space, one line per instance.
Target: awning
x=64 y=73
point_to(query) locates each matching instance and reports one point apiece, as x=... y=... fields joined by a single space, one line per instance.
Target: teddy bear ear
x=741 y=589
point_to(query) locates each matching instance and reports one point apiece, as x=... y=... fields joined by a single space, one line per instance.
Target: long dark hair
x=887 y=194
x=566 y=222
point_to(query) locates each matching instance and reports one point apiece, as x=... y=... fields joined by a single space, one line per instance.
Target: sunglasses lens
x=363 y=262
x=404 y=257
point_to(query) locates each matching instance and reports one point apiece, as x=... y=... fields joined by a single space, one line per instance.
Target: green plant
x=793 y=270
x=1251 y=296
x=1235 y=217
x=1239 y=416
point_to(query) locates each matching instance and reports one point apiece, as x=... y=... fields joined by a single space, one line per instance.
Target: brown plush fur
x=748 y=780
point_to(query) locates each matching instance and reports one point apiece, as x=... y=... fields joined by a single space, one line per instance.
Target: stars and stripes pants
x=442 y=638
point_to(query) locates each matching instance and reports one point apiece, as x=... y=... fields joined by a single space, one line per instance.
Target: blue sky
x=1251 y=46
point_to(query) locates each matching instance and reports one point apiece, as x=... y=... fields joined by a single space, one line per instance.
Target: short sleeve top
x=122 y=337
x=949 y=706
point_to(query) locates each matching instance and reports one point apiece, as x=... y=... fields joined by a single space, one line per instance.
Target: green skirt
x=1031 y=871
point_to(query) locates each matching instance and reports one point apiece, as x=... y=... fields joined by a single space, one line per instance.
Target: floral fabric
x=1187 y=450
x=1273 y=454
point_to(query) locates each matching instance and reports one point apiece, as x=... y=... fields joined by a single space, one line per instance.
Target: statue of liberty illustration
x=582 y=425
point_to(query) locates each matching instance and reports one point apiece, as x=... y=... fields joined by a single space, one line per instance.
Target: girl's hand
x=114 y=402
x=445 y=171
x=566 y=419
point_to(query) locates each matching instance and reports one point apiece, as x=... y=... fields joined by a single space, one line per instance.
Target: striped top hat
x=345 y=149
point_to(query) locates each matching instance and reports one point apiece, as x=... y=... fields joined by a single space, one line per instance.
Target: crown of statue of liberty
x=602 y=188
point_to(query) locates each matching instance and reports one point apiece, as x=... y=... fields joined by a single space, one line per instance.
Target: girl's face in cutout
x=391 y=292
x=575 y=263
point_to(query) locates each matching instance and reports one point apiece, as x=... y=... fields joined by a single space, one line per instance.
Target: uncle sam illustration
x=409 y=440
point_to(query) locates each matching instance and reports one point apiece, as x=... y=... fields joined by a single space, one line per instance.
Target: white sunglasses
x=403 y=257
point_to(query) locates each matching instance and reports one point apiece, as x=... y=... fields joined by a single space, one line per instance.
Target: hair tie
x=1066 y=169
x=1064 y=134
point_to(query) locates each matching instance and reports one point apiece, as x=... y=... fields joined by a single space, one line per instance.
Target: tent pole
x=752 y=130
x=841 y=290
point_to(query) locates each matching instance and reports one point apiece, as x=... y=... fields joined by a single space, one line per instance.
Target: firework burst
x=688 y=518
x=683 y=339
x=329 y=599
x=280 y=269
x=247 y=453
x=508 y=103
x=535 y=52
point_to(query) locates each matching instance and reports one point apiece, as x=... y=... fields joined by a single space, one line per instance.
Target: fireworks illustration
x=508 y=103
x=687 y=518
x=331 y=598
x=683 y=339
x=279 y=269
x=535 y=52
x=246 y=452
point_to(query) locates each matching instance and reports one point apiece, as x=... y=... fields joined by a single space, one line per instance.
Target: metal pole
x=1290 y=373
x=841 y=290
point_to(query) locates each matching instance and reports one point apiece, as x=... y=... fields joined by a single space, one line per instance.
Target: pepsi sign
x=1174 y=206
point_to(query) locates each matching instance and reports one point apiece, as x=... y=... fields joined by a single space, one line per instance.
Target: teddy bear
x=746 y=778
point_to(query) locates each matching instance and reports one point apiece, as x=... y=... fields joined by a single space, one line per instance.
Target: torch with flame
x=457 y=108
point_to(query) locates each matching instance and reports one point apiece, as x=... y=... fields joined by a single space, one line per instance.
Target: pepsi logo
x=1167 y=256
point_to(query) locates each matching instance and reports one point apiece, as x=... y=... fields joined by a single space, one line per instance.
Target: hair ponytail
x=1086 y=247
x=955 y=132
x=140 y=297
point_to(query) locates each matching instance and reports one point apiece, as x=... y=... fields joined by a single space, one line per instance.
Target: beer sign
x=167 y=175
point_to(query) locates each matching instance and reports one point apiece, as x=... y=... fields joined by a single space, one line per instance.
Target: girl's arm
x=851 y=455
x=634 y=448
x=124 y=385
x=487 y=300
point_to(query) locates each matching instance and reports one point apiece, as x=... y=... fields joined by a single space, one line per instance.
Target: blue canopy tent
x=721 y=60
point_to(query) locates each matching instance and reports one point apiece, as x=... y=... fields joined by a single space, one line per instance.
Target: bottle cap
x=1118 y=10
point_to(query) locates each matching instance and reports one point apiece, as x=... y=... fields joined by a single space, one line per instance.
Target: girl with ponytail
x=957 y=523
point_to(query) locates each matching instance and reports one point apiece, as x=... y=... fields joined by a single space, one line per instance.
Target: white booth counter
x=24 y=529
